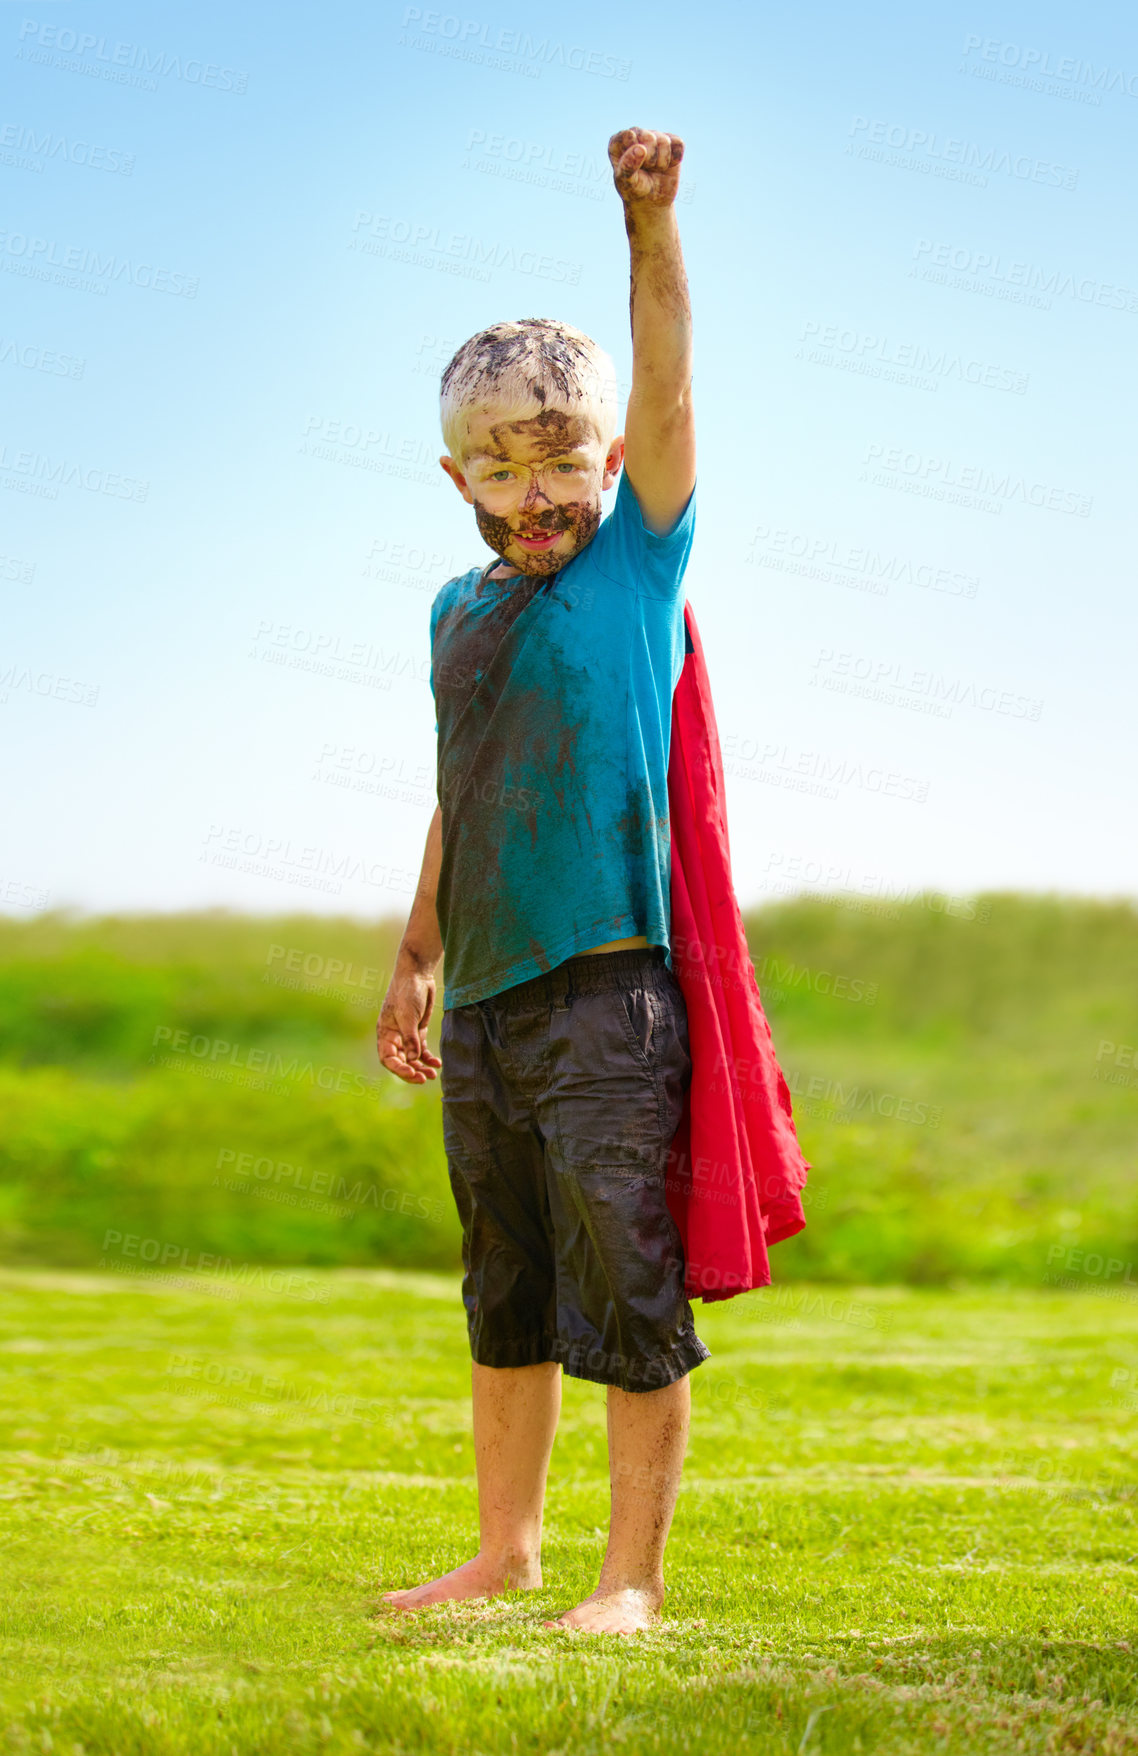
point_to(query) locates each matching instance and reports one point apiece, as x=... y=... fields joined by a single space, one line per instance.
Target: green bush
x=207 y=1083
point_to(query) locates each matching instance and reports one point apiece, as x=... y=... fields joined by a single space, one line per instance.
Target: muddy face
x=575 y=525
x=539 y=478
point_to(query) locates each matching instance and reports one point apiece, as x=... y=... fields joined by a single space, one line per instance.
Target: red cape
x=736 y=1169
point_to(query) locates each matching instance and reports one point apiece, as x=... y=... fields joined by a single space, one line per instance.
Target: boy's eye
x=569 y=466
x=499 y=475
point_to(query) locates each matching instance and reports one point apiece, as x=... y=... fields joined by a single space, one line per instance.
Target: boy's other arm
x=401 y=1033
x=659 y=430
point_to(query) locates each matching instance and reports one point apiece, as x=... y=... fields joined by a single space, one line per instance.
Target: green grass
x=907 y=1525
x=964 y=1075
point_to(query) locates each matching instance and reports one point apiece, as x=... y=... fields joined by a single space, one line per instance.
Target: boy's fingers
x=643 y=149
x=423 y=1052
x=409 y=1073
x=391 y=1057
x=391 y=1044
x=415 y=1050
x=621 y=141
x=405 y=1029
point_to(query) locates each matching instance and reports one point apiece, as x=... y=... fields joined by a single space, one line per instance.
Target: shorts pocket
x=602 y=1091
x=640 y=1007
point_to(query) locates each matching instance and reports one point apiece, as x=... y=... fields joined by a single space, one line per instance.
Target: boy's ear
x=457 y=477
x=614 y=457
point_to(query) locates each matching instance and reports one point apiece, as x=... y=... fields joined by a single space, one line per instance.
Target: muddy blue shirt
x=553 y=700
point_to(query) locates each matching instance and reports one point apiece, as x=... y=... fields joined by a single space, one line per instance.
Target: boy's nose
x=534 y=492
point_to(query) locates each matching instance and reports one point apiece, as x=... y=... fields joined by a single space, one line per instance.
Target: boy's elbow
x=669 y=405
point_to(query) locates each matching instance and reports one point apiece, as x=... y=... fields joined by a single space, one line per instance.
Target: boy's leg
x=648 y=1435
x=515 y=1420
x=498 y=1178
x=619 y=1073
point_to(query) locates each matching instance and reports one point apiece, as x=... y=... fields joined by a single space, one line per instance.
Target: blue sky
x=238 y=246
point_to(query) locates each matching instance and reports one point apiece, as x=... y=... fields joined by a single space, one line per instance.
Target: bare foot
x=476 y=1578
x=614 y=1612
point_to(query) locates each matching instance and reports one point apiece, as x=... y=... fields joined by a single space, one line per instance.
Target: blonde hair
x=535 y=361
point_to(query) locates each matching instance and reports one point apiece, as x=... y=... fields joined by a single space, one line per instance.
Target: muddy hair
x=529 y=366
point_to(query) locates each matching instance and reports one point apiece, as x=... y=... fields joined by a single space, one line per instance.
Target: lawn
x=907 y=1524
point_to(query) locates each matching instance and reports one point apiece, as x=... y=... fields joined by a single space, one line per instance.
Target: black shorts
x=560 y=1100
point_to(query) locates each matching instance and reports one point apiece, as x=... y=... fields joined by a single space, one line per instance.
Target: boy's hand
x=401 y=1033
x=646 y=166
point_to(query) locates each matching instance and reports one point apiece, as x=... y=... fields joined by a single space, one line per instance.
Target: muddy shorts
x=560 y=1100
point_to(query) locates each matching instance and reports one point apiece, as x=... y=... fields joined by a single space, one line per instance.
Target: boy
x=564 y=1041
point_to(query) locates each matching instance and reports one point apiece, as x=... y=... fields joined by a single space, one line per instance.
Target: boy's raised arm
x=659 y=432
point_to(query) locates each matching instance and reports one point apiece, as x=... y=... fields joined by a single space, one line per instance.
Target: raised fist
x=646 y=166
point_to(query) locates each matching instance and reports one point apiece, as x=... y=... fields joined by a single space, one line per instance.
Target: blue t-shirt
x=553 y=699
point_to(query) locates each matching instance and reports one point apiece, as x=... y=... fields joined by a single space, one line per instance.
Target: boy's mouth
x=536 y=544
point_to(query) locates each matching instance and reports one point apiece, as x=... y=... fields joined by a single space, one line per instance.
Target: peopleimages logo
x=14 y=675
x=313 y=868
x=815 y=772
x=165 y=1256
x=38 y=359
x=820 y=557
x=217 y=1052
x=537 y=155
x=922 y=149
x=920 y=363
x=901 y=684
x=468 y=39
x=55 y=473
x=121 y=59
x=1003 y=277
x=428 y=246
x=1040 y=64
x=17 y=138
x=976 y=478
x=27 y=254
